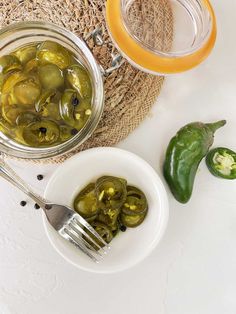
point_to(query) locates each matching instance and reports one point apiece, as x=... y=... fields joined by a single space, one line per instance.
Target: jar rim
x=34 y=28
x=156 y=62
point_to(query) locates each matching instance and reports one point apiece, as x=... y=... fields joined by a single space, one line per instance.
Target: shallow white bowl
x=130 y=247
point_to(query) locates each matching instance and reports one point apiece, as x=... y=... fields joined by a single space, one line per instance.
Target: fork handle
x=7 y=173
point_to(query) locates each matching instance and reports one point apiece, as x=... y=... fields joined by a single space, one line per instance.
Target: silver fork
x=70 y=225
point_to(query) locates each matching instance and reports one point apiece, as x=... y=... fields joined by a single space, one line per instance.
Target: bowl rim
x=164 y=204
x=27 y=152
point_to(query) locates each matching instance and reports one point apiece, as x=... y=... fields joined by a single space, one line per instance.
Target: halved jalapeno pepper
x=132 y=221
x=42 y=133
x=111 y=192
x=86 y=202
x=221 y=162
x=135 y=203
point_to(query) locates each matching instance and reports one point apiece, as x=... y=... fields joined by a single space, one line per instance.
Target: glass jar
x=136 y=28
x=17 y=35
x=142 y=34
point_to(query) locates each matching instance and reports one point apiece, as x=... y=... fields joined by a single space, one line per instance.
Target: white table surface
x=193 y=271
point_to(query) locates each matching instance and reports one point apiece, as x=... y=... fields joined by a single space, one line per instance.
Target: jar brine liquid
x=45 y=94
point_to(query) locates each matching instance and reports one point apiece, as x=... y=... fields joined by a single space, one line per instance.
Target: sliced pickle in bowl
x=111 y=192
x=102 y=202
x=132 y=221
x=135 y=203
x=86 y=202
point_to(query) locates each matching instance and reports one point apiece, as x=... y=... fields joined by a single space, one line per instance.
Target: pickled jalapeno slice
x=132 y=221
x=27 y=117
x=106 y=211
x=103 y=230
x=78 y=79
x=66 y=132
x=26 y=92
x=52 y=52
x=86 y=202
x=25 y=54
x=51 y=77
x=108 y=216
x=31 y=66
x=44 y=99
x=111 y=192
x=11 y=112
x=42 y=133
x=47 y=105
x=11 y=80
x=74 y=111
x=69 y=100
x=6 y=128
x=9 y=63
x=135 y=203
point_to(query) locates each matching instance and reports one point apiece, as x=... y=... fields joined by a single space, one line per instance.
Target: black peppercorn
x=23 y=203
x=36 y=206
x=75 y=101
x=43 y=130
x=40 y=177
x=123 y=228
x=74 y=131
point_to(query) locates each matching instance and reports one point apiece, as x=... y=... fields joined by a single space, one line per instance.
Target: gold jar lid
x=137 y=26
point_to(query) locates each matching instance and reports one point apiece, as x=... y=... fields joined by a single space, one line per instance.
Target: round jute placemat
x=129 y=93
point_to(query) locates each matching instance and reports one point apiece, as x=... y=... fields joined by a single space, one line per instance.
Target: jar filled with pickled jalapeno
x=45 y=95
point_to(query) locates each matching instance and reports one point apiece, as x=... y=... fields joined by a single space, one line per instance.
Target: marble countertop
x=193 y=270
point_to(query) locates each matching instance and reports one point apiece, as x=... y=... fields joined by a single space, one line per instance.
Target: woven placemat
x=129 y=93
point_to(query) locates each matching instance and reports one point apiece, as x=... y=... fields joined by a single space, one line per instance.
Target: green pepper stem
x=215 y=126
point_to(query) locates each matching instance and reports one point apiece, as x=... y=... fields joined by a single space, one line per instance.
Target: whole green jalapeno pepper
x=221 y=162
x=184 y=153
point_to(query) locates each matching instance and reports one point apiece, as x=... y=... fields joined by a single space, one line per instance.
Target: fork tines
x=80 y=233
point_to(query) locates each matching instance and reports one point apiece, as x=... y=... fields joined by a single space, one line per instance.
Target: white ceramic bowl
x=130 y=247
